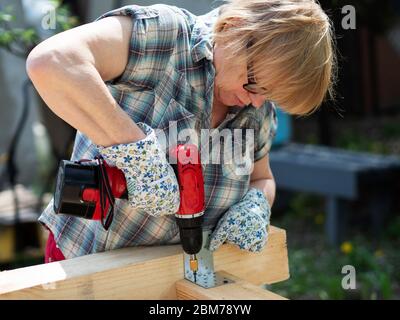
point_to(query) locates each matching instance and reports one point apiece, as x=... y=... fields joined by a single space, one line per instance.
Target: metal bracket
x=206 y=276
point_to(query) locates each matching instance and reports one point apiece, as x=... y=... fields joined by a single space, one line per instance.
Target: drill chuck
x=191 y=234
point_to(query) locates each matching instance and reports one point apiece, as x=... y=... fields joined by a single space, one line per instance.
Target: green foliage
x=20 y=41
x=315 y=268
x=380 y=136
x=64 y=18
x=391 y=130
x=393 y=230
x=317 y=275
x=354 y=141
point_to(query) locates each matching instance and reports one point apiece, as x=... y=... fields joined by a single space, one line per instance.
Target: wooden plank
x=237 y=290
x=139 y=272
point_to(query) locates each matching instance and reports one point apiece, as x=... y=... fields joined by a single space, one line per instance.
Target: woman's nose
x=257 y=100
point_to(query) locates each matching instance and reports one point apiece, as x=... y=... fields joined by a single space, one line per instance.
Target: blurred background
x=337 y=171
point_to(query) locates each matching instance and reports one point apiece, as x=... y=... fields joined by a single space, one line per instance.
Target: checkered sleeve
x=156 y=32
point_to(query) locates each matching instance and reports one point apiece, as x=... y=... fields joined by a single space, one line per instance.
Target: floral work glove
x=151 y=181
x=244 y=224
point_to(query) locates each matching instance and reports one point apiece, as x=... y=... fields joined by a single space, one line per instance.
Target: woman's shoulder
x=268 y=117
x=267 y=111
x=168 y=17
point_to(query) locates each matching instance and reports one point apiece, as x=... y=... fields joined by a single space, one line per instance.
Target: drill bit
x=194 y=265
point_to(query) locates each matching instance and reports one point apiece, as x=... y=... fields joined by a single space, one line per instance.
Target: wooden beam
x=237 y=290
x=139 y=272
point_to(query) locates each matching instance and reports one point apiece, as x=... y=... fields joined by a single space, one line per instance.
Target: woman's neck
x=218 y=113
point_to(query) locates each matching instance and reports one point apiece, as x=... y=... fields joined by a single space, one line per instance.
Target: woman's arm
x=263 y=179
x=69 y=70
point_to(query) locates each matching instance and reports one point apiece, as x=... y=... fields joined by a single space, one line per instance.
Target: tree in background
x=20 y=41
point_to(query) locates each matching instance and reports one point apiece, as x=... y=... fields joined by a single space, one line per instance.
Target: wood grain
x=139 y=272
x=238 y=290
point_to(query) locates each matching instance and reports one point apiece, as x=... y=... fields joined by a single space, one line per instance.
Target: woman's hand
x=151 y=181
x=244 y=224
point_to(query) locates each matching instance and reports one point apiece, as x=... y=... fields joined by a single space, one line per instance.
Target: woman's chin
x=233 y=103
x=238 y=103
x=229 y=99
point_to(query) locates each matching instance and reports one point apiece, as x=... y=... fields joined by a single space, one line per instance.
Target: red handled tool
x=189 y=217
x=88 y=189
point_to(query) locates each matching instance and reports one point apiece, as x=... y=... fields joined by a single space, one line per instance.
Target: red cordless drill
x=189 y=217
x=88 y=189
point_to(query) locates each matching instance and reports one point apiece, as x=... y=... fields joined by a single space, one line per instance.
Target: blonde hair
x=292 y=49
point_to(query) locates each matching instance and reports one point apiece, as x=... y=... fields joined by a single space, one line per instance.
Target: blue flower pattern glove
x=244 y=224
x=151 y=181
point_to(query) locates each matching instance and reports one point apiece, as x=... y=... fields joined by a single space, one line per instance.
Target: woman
x=140 y=69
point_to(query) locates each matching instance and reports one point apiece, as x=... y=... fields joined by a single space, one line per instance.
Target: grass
x=316 y=268
x=376 y=135
x=351 y=140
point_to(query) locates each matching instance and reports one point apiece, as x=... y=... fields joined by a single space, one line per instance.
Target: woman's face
x=229 y=80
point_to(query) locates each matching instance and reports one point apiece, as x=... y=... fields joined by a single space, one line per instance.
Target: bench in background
x=341 y=176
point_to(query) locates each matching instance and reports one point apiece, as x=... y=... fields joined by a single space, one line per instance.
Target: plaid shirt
x=169 y=77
